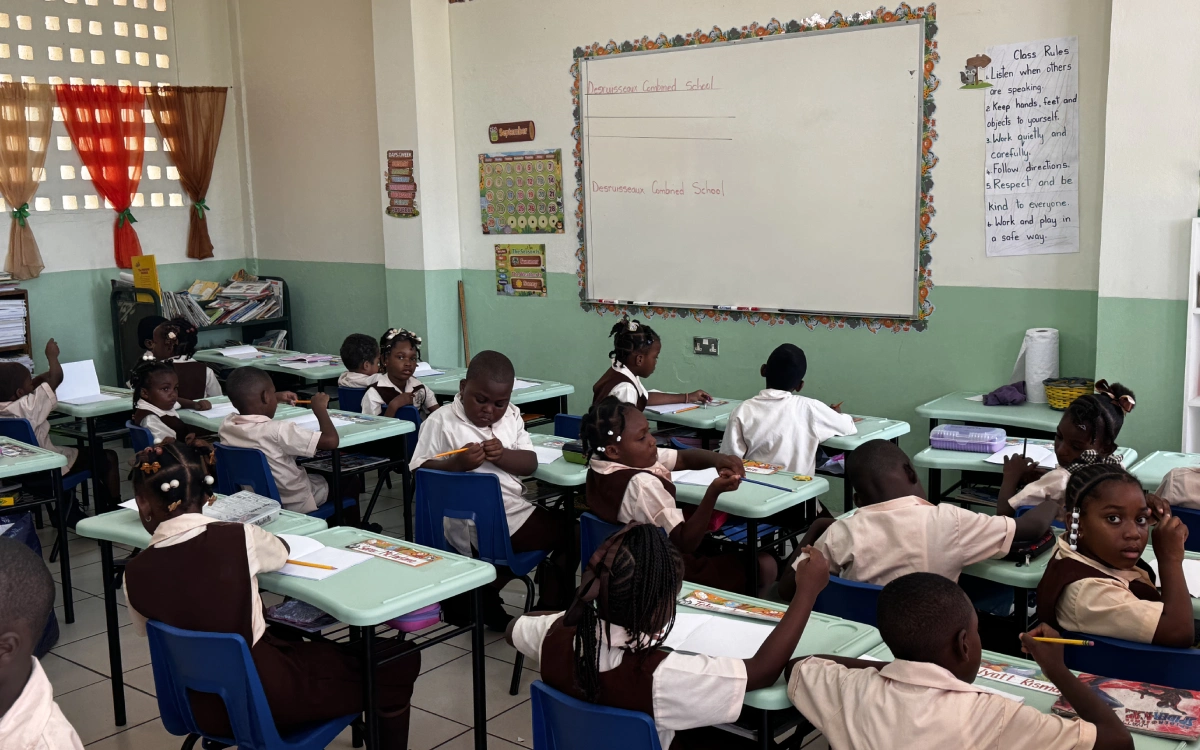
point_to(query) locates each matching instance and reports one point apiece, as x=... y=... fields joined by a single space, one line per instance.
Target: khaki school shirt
x=645 y=499
x=281 y=442
x=1103 y=606
x=36 y=407
x=1181 y=486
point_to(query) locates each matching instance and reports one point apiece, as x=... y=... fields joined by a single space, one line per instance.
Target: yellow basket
x=1060 y=392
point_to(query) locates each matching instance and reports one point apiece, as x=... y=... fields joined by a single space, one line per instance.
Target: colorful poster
x=401 y=185
x=521 y=192
x=521 y=270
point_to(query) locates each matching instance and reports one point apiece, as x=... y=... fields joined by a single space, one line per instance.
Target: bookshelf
x=27 y=347
x=129 y=305
x=1191 y=366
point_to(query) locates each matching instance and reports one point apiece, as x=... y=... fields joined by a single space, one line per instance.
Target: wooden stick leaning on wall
x=462 y=313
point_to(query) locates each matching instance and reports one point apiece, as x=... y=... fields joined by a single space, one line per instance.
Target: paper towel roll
x=1037 y=361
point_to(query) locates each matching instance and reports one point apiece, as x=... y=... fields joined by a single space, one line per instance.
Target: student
x=926 y=699
x=360 y=357
x=201 y=574
x=154 y=334
x=1181 y=487
x=155 y=398
x=33 y=399
x=400 y=352
x=629 y=479
x=635 y=356
x=196 y=379
x=1087 y=434
x=482 y=420
x=896 y=531
x=607 y=649
x=253 y=395
x=1096 y=582
x=779 y=426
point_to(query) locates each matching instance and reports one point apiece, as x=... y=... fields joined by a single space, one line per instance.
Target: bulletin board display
x=521 y=192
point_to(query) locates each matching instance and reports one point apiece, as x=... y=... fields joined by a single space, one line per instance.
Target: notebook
x=309 y=550
x=217 y=411
x=700 y=599
x=1191 y=574
x=1145 y=708
x=240 y=507
x=424 y=370
x=80 y=384
x=711 y=635
x=1043 y=454
x=519 y=384
x=309 y=421
x=546 y=454
x=240 y=352
x=698 y=477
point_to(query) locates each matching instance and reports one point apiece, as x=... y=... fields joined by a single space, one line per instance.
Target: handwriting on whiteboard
x=666 y=188
x=657 y=86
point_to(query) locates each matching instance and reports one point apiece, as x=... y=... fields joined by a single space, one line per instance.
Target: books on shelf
x=203 y=291
x=276 y=339
x=1145 y=708
x=23 y=359
x=243 y=299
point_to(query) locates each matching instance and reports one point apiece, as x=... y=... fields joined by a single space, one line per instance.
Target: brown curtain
x=190 y=118
x=25 y=113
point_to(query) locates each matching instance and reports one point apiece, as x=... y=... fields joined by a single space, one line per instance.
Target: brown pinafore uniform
x=203 y=584
x=387 y=393
x=1062 y=572
x=611 y=380
x=193 y=377
x=182 y=430
x=709 y=567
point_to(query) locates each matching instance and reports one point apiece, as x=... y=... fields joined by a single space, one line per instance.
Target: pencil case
x=573 y=453
x=417 y=620
x=962 y=437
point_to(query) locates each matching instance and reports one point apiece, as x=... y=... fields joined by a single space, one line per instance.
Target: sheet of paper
x=309 y=421
x=4 y=527
x=131 y=504
x=519 y=384
x=424 y=370
x=672 y=408
x=1044 y=455
x=218 y=410
x=299 y=546
x=1191 y=574
x=970 y=398
x=996 y=691
x=547 y=455
x=240 y=352
x=81 y=400
x=339 y=559
x=700 y=477
x=303 y=365
x=79 y=381
x=711 y=635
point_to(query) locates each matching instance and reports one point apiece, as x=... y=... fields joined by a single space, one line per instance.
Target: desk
x=212 y=424
x=362 y=429
x=937 y=461
x=547 y=392
x=1152 y=469
x=89 y=413
x=122 y=526
x=44 y=460
x=708 y=421
x=956 y=407
x=212 y=356
x=560 y=473
x=1148 y=554
x=1043 y=701
x=271 y=363
x=378 y=590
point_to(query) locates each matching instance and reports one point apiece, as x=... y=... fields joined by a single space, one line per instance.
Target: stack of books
x=12 y=322
x=7 y=282
x=243 y=299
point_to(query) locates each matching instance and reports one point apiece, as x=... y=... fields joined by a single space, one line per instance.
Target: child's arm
x=1017 y=469
x=787 y=583
x=286 y=397
x=764 y=667
x=469 y=460
x=1175 y=625
x=688 y=535
x=519 y=462
x=53 y=374
x=329 y=437
x=404 y=399
x=201 y=405
x=1111 y=733
x=1034 y=523
x=698 y=458
x=657 y=398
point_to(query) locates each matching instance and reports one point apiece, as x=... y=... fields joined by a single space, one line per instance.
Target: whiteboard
x=781 y=173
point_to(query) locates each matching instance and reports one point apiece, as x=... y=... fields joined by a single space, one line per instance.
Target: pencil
x=1024 y=447
x=772 y=486
x=451 y=453
x=1065 y=641
x=303 y=401
x=311 y=565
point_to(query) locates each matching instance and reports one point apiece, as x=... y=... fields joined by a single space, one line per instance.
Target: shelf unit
x=27 y=347
x=130 y=304
x=1191 y=367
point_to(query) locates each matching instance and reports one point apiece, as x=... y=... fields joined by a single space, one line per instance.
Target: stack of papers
x=310 y=358
x=12 y=322
x=309 y=550
x=309 y=421
x=424 y=370
x=712 y=635
x=519 y=384
x=1191 y=574
x=699 y=477
x=80 y=384
x=1043 y=454
x=240 y=352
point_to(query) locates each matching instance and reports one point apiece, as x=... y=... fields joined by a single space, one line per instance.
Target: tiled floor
x=442 y=709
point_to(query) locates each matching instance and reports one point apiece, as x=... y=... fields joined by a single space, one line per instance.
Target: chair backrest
x=678 y=445
x=849 y=600
x=561 y=722
x=244 y=467
x=410 y=414
x=471 y=496
x=350 y=399
x=139 y=436
x=16 y=428
x=592 y=533
x=1056 y=524
x=567 y=426
x=1191 y=519
x=217 y=663
x=1141 y=662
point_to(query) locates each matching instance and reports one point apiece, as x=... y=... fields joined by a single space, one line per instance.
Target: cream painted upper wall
x=310 y=111
x=1153 y=153
x=511 y=60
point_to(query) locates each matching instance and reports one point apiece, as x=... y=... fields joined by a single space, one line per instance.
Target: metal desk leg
x=935 y=486
x=63 y=506
x=765 y=740
x=104 y=503
x=335 y=486
x=752 y=556
x=108 y=571
x=477 y=669
x=1021 y=609
x=371 y=724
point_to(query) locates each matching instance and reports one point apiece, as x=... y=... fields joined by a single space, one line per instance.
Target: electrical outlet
x=704 y=346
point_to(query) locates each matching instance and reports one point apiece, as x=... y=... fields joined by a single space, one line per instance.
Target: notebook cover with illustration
x=394 y=552
x=716 y=603
x=1013 y=674
x=1149 y=709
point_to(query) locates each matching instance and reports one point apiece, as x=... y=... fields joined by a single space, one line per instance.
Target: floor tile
x=148 y=736
x=141 y=678
x=435 y=656
x=90 y=710
x=447 y=692
x=499 y=649
x=89 y=620
x=466 y=741
x=66 y=676
x=93 y=652
x=515 y=724
x=85 y=577
x=79 y=595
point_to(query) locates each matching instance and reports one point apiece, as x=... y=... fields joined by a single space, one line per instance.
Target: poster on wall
x=1031 y=170
x=521 y=270
x=401 y=185
x=521 y=192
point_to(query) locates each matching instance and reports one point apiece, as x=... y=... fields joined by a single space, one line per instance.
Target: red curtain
x=105 y=124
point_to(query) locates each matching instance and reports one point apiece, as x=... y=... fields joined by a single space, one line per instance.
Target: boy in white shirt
x=482 y=420
x=779 y=426
x=29 y=717
x=360 y=357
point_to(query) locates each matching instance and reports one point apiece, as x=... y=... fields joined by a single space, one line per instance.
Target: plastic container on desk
x=961 y=437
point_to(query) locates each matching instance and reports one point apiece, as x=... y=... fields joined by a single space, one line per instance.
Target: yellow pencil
x=1065 y=641
x=311 y=565
x=451 y=453
x=303 y=401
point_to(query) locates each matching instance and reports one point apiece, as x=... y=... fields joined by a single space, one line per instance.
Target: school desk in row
x=198 y=419
x=1153 y=469
x=90 y=414
x=1043 y=701
x=122 y=526
x=824 y=634
x=545 y=397
x=959 y=407
x=937 y=461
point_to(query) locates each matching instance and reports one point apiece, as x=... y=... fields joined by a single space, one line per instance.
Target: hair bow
x=1125 y=403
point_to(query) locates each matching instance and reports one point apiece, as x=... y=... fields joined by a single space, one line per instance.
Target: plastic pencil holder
x=418 y=619
x=1060 y=392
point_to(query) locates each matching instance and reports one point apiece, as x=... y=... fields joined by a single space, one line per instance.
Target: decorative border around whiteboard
x=928 y=161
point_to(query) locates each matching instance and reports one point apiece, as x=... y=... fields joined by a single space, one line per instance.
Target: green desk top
x=447 y=385
x=124 y=402
x=212 y=424
x=700 y=418
x=1152 y=469
x=368 y=429
x=271 y=363
x=956 y=407
x=824 y=634
x=123 y=526
x=378 y=590
x=212 y=356
x=934 y=458
x=756 y=501
x=41 y=460
x=561 y=473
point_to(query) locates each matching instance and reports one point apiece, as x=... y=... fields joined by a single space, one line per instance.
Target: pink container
x=417 y=620
x=962 y=437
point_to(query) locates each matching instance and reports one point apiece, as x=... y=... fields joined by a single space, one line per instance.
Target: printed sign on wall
x=521 y=270
x=521 y=192
x=401 y=185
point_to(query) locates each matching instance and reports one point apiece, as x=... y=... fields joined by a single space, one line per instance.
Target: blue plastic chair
x=220 y=663
x=849 y=600
x=473 y=497
x=139 y=436
x=239 y=468
x=1056 y=524
x=561 y=722
x=592 y=533
x=350 y=399
x=1141 y=662
x=408 y=414
x=567 y=426
x=1191 y=519
x=16 y=428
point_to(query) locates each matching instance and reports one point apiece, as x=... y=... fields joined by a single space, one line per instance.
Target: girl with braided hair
x=201 y=574
x=1087 y=434
x=196 y=379
x=155 y=387
x=607 y=648
x=1096 y=581
x=395 y=386
x=635 y=356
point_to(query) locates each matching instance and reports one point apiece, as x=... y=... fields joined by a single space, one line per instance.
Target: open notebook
x=712 y=635
x=80 y=384
x=217 y=411
x=1043 y=454
x=309 y=421
x=309 y=550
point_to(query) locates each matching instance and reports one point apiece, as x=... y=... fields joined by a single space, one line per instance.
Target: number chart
x=521 y=192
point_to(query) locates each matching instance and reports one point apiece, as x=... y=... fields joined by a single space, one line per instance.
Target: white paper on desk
x=969 y=398
x=1043 y=454
x=519 y=384
x=309 y=421
x=995 y=691
x=131 y=504
x=699 y=477
x=424 y=370
x=547 y=455
x=303 y=365
x=217 y=410
x=671 y=408
x=310 y=550
x=1191 y=574
x=239 y=352
x=80 y=384
x=712 y=635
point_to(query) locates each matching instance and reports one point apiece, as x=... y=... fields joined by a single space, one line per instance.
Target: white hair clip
x=600 y=448
x=208 y=479
x=610 y=432
x=165 y=486
x=634 y=325
x=148 y=356
x=174 y=483
x=1074 y=534
x=618 y=438
x=171 y=335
